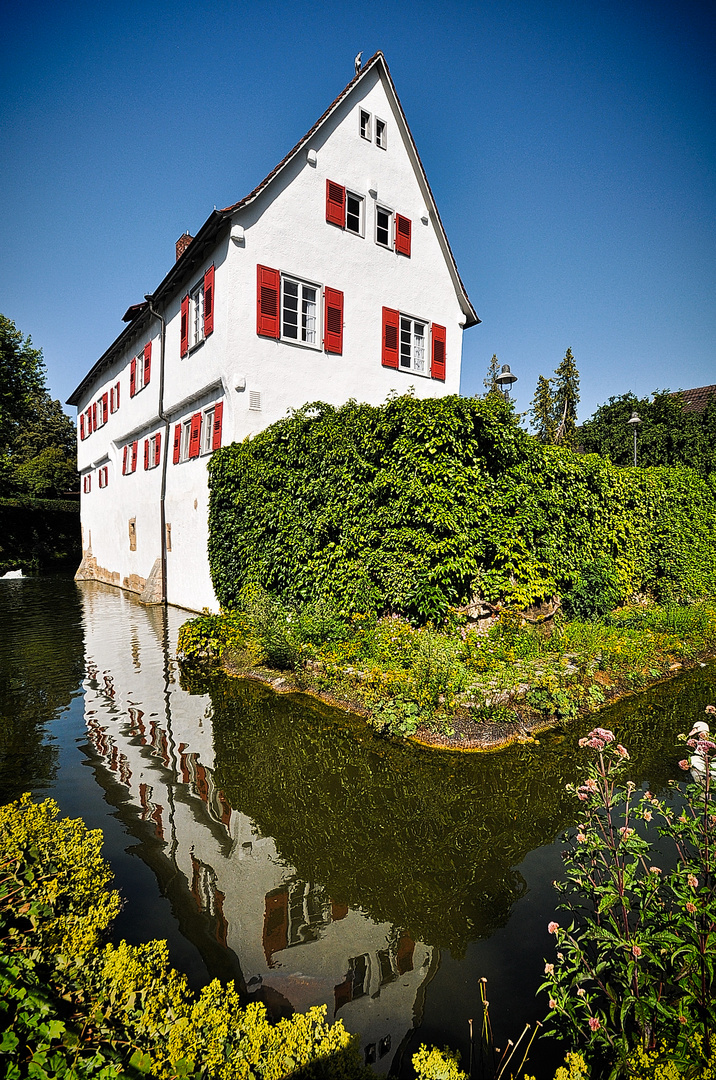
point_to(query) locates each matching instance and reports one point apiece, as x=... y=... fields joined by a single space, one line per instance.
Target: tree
x=490 y=381
x=542 y=411
x=566 y=399
x=37 y=440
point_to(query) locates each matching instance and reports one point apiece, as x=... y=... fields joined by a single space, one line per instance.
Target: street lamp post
x=634 y=420
x=505 y=380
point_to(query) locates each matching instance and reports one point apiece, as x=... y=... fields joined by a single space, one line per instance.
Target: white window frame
x=100 y=411
x=391 y=226
x=206 y=435
x=365 y=129
x=381 y=138
x=185 y=439
x=113 y=395
x=302 y=284
x=153 y=463
x=103 y=476
x=196 y=315
x=139 y=383
x=360 y=231
x=412 y=351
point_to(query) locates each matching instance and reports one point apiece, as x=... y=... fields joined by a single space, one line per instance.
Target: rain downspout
x=165 y=454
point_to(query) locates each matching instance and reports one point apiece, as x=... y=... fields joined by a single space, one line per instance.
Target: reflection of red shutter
x=275 y=932
x=157 y=447
x=82 y=425
x=209 y=301
x=105 y=408
x=124 y=461
x=146 y=453
x=267 y=291
x=216 y=433
x=133 y=377
x=333 y=338
x=338 y=911
x=391 y=323
x=335 y=204
x=437 y=368
x=403 y=229
x=184 y=344
x=177 y=443
x=404 y=954
x=195 y=436
x=147 y=362
x=134 y=455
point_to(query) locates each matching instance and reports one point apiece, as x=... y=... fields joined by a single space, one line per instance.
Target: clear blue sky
x=570 y=147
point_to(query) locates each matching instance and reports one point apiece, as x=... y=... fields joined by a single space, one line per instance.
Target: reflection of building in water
x=295 y=944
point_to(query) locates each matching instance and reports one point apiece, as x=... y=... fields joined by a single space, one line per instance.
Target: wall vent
x=255 y=400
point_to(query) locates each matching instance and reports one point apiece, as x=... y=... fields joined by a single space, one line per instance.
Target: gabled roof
x=137 y=315
x=697 y=399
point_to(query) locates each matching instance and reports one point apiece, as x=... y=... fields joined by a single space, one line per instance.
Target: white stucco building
x=332 y=279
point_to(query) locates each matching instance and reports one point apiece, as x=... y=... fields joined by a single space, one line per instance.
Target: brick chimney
x=183 y=243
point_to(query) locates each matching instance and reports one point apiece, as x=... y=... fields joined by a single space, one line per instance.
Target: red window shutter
x=88 y=426
x=147 y=362
x=157 y=447
x=391 y=336
x=333 y=338
x=335 y=204
x=146 y=453
x=94 y=416
x=133 y=377
x=124 y=460
x=116 y=396
x=184 y=344
x=111 y=399
x=105 y=408
x=195 y=436
x=216 y=433
x=82 y=425
x=268 y=286
x=209 y=301
x=134 y=455
x=403 y=231
x=177 y=443
x=437 y=367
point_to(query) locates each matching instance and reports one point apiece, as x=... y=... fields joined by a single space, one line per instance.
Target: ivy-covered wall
x=416 y=505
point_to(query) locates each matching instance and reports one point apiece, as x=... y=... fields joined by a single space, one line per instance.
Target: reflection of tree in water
x=41 y=667
x=426 y=840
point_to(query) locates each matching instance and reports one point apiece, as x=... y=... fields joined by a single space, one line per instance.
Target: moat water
x=279 y=843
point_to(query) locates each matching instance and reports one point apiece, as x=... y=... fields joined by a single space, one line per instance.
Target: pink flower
x=636 y=951
x=622 y=751
x=648 y=796
x=552 y=1003
x=603 y=733
x=591 y=784
x=626 y=833
x=582 y=795
x=560 y=957
x=583 y=742
x=647 y=815
x=581 y=837
x=691 y=908
x=693 y=881
x=581 y=992
x=549 y=969
x=553 y=927
x=654 y=869
x=710 y=709
x=683 y=764
x=594 y=1023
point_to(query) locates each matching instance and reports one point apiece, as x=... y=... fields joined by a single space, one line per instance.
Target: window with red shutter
x=82 y=425
x=146 y=453
x=147 y=372
x=135 y=445
x=333 y=337
x=184 y=343
x=157 y=448
x=195 y=437
x=335 y=204
x=403 y=230
x=216 y=433
x=268 y=286
x=124 y=460
x=133 y=377
x=116 y=396
x=111 y=399
x=209 y=301
x=105 y=408
x=437 y=367
x=391 y=324
x=177 y=444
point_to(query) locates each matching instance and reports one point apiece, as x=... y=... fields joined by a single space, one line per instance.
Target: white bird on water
x=357 y=61
x=12 y=574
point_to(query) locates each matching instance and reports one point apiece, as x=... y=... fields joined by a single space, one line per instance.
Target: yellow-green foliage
x=576 y=1068
x=72 y=879
x=433 y=1064
x=660 y=1064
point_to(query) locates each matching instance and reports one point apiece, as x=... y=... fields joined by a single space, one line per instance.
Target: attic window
x=381 y=133
x=365 y=125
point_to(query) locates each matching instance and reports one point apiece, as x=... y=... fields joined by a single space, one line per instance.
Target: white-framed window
x=102 y=405
x=196 y=314
x=87 y=483
x=114 y=398
x=152 y=451
x=207 y=430
x=139 y=383
x=355 y=213
x=300 y=312
x=129 y=458
x=365 y=125
x=384 y=227
x=104 y=476
x=185 y=440
x=413 y=345
x=381 y=134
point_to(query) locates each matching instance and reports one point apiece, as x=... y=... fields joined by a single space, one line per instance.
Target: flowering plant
x=635 y=964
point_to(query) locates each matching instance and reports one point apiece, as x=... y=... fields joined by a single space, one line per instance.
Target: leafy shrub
x=437 y=674
x=433 y=1064
x=272 y=628
x=595 y=593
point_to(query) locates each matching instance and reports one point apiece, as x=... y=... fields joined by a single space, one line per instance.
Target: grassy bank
x=454 y=685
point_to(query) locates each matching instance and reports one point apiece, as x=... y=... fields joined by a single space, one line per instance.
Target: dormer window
x=365 y=125
x=381 y=133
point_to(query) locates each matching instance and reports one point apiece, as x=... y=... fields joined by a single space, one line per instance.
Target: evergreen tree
x=490 y=381
x=542 y=411
x=566 y=399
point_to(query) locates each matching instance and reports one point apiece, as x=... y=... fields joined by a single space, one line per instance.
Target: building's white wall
x=286 y=229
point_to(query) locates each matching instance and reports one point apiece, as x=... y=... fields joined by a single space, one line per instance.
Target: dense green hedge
x=415 y=505
x=38 y=533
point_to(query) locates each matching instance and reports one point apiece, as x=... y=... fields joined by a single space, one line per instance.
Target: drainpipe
x=165 y=456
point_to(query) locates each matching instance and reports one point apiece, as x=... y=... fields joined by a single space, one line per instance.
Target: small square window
x=381 y=134
x=365 y=125
x=354 y=213
x=383 y=227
